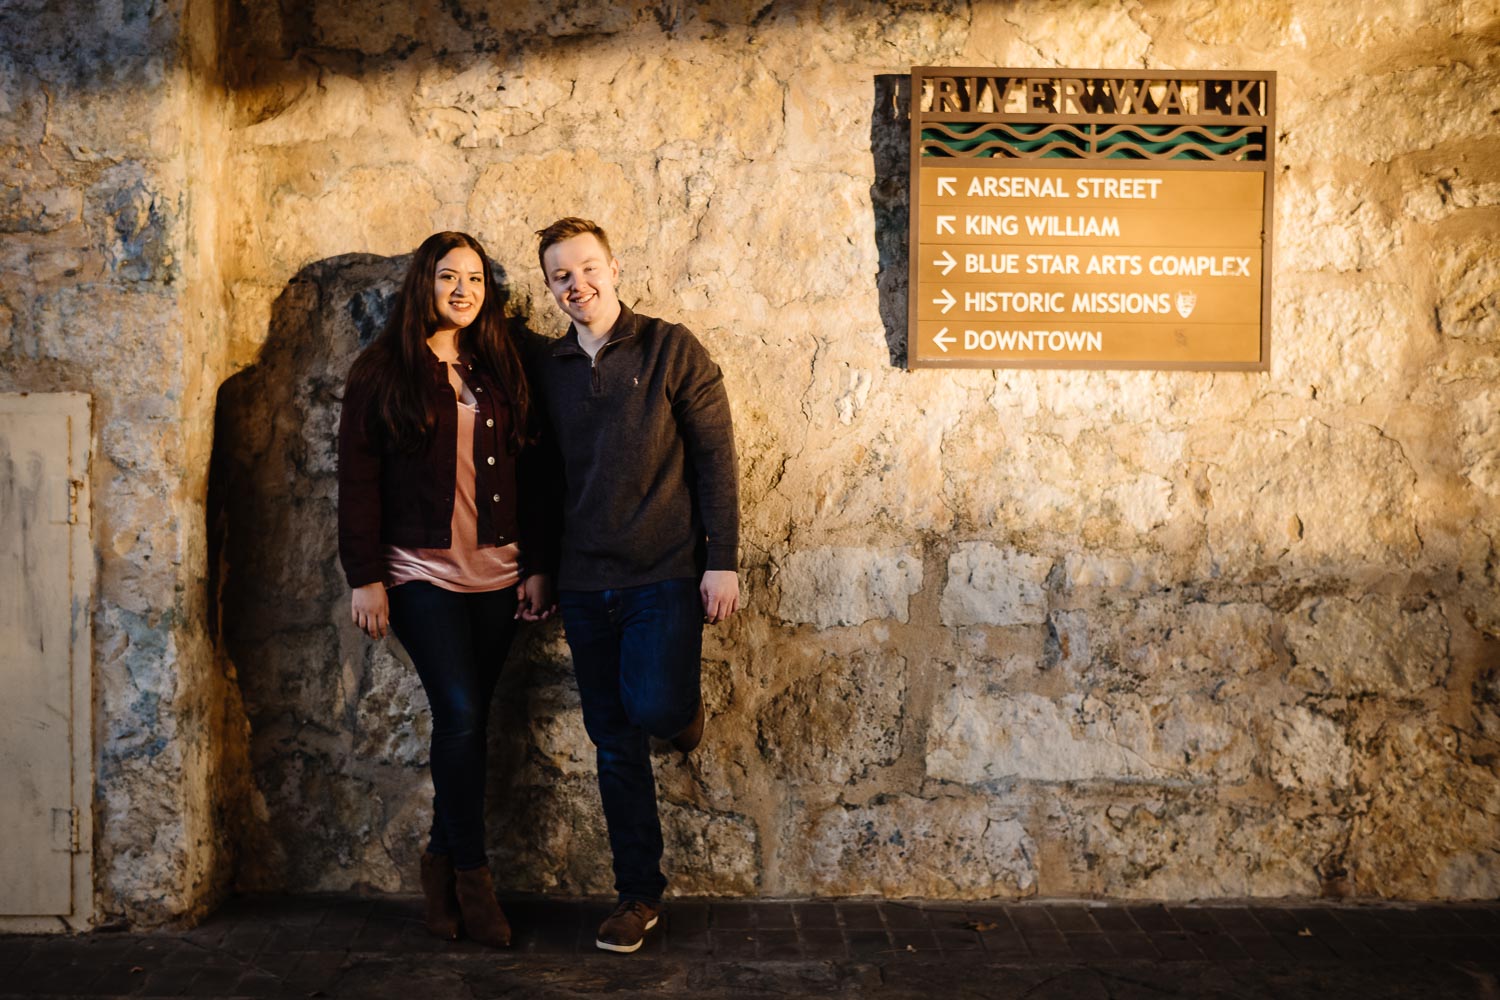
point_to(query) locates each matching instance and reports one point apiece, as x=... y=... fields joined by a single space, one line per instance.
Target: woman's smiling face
x=458 y=288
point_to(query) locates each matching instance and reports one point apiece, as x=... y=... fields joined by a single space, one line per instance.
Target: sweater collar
x=626 y=325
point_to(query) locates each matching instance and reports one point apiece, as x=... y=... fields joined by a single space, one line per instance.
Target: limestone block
x=380 y=26
x=557 y=730
x=1346 y=342
x=392 y=720
x=1434 y=816
x=1373 y=645
x=484 y=104
x=828 y=109
x=796 y=215
x=1366 y=118
x=1148 y=842
x=1447 y=192
x=732 y=106
x=549 y=836
x=835 y=724
x=1469 y=285
x=1309 y=751
x=710 y=853
x=837 y=585
x=1320 y=225
x=978 y=736
x=988 y=585
x=511 y=200
x=1170 y=646
x=1050 y=28
x=336 y=108
x=377 y=209
x=293 y=673
x=901 y=845
x=1275 y=503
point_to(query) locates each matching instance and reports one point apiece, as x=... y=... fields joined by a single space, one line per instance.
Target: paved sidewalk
x=375 y=948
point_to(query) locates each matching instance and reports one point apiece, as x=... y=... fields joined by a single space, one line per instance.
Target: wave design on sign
x=1058 y=140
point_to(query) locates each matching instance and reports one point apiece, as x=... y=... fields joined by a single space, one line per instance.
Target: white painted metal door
x=46 y=573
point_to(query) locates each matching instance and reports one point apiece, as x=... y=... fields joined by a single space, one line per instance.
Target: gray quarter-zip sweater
x=650 y=481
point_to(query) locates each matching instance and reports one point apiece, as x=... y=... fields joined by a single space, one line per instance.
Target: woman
x=434 y=418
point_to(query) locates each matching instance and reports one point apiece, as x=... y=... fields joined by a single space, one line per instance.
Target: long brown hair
x=396 y=364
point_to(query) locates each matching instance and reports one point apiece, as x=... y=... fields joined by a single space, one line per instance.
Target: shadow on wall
x=339 y=793
x=890 y=196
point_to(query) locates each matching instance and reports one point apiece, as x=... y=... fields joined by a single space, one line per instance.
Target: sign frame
x=1202 y=79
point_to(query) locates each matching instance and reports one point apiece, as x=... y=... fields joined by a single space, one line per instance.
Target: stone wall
x=110 y=178
x=1008 y=632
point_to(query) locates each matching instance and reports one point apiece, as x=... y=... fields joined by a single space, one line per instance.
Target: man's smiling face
x=581 y=275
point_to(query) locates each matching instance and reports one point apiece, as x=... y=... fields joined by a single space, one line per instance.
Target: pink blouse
x=467 y=566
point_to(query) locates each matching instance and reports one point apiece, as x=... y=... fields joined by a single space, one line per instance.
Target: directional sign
x=1033 y=247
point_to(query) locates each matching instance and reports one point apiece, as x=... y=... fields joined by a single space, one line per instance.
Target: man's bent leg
x=627 y=788
x=661 y=655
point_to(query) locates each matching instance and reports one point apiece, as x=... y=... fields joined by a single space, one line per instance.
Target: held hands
x=535 y=601
x=371 y=609
x=720 y=591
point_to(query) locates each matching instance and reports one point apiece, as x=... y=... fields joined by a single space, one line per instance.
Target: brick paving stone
x=1236 y=920
x=1133 y=944
x=1220 y=947
x=816 y=915
x=864 y=916
x=1009 y=945
x=868 y=944
x=1030 y=918
x=1175 y=945
x=1361 y=921
x=214 y=982
x=911 y=941
x=1261 y=947
x=733 y=943
x=256 y=983
x=1048 y=945
x=730 y=916
x=1304 y=947
x=1113 y=918
x=824 y=942
x=960 y=942
x=1194 y=919
x=778 y=916
x=902 y=915
x=1073 y=919
x=778 y=946
x=688 y=916
x=1152 y=919
x=1276 y=920
x=1090 y=947
x=168 y=982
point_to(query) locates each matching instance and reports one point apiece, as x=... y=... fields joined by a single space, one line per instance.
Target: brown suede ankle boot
x=440 y=891
x=484 y=921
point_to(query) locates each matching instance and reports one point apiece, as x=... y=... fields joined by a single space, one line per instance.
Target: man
x=650 y=540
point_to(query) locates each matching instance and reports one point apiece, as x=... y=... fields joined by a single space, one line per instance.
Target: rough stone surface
x=1129 y=634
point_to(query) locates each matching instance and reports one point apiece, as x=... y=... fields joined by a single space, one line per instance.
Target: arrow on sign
x=946 y=301
x=945 y=223
x=945 y=185
x=946 y=262
x=942 y=339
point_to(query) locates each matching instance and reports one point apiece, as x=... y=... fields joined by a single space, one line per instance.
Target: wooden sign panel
x=1071 y=219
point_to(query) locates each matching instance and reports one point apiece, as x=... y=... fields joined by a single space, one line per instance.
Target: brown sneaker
x=626 y=928
x=689 y=738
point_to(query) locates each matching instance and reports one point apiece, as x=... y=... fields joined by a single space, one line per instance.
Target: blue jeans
x=637 y=653
x=458 y=643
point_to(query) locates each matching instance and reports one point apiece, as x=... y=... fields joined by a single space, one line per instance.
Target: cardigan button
x=490 y=422
x=496 y=498
x=490 y=460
